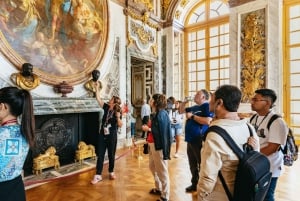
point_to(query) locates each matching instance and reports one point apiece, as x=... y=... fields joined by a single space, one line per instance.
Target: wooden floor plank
x=134 y=181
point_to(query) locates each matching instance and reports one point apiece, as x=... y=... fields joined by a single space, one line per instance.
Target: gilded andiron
x=47 y=160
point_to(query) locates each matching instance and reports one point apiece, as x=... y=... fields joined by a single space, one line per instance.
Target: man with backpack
x=272 y=138
x=217 y=157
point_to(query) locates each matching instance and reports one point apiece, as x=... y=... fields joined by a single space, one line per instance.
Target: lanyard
x=109 y=115
x=255 y=124
x=9 y=122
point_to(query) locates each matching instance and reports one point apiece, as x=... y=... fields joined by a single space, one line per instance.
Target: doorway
x=141 y=87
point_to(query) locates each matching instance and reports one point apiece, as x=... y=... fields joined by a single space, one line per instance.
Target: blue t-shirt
x=13 y=151
x=193 y=129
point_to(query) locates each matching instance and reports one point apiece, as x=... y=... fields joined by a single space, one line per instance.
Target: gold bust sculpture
x=90 y=86
x=26 y=79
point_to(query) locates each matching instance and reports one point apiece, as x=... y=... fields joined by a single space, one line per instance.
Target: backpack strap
x=223 y=133
x=274 y=117
x=252 y=117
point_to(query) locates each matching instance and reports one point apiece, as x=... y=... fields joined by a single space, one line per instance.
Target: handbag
x=146 y=148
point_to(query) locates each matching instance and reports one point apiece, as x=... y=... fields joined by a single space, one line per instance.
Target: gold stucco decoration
x=253 y=70
x=144 y=36
x=143 y=18
x=147 y=3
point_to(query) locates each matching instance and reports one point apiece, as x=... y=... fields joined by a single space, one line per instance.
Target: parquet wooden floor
x=134 y=181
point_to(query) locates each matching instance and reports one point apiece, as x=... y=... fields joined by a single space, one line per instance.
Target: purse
x=146 y=148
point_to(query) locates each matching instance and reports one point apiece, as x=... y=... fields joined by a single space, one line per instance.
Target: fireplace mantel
x=45 y=106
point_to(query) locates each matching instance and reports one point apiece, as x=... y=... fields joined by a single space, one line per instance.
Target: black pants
x=108 y=142
x=12 y=190
x=145 y=122
x=194 y=157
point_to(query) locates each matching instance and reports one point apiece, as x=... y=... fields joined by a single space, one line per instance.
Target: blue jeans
x=132 y=126
x=271 y=192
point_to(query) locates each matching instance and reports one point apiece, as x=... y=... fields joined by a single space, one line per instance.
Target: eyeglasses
x=257 y=100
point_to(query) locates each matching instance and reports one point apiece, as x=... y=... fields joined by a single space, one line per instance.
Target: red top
x=149 y=135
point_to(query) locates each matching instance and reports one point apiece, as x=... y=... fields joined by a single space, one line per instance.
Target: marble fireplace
x=62 y=123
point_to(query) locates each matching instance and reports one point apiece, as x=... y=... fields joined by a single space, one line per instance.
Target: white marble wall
x=274 y=79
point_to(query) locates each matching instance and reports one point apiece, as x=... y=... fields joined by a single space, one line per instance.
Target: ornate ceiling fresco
x=64 y=40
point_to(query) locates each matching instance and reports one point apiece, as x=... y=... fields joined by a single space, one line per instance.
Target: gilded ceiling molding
x=147 y=3
x=164 y=7
x=253 y=48
x=234 y=3
x=143 y=18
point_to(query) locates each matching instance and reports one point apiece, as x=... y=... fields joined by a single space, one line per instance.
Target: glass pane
x=214 y=84
x=294 y=11
x=192 y=67
x=295 y=66
x=218 y=8
x=224 y=28
x=213 y=31
x=295 y=80
x=224 y=73
x=214 y=74
x=213 y=14
x=214 y=41
x=294 y=53
x=201 y=85
x=224 y=39
x=295 y=24
x=192 y=36
x=222 y=50
x=200 y=75
x=200 y=9
x=295 y=93
x=193 y=45
x=214 y=64
x=201 y=44
x=192 y=77
x=295 y=106
x=201 y=54
x=214 y=51
x=224 y=63
x=193 y=86
x=201 y=65
x=295 y=119
x=295 y=38
x=193 y=55
x=201 y=34
x=193 y=19
x=226 y=81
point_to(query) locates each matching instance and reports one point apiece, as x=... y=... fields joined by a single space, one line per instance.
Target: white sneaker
x=176 y=155
x=112 y=176
x=96 y=179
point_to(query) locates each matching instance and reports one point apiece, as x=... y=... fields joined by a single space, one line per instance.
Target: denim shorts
x=176 y=129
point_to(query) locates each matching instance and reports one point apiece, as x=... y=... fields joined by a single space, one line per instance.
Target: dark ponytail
x=28 y=120
x=20 y=103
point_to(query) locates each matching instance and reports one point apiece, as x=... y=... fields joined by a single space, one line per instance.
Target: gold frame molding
x=83 y=70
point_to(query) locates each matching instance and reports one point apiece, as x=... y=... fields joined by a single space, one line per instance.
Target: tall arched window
x=207 y=46
x=292 y=64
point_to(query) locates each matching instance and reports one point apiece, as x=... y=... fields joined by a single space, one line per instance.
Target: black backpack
x=290 y=150
x=253 y=174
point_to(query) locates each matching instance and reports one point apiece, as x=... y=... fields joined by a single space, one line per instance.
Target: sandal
x=154 y=191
